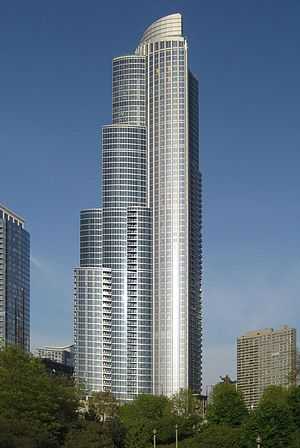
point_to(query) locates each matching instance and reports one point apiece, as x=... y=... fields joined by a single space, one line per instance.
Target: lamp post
x=154 y=438
x=258 y=441
x=176 y=436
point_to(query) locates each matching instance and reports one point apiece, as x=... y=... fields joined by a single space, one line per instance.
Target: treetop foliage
x=39 y=410
x=227 y=406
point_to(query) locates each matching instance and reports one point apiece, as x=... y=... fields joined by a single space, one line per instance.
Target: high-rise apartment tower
x=264 y=358
x=14 y=280
x=151 y=218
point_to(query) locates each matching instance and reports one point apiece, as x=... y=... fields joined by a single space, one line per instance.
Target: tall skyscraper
x=151 y=217
x=14 y=280
x=174 y=189
x=264 y=358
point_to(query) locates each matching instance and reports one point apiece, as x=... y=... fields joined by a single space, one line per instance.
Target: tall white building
x=174 y=197
x=151 y=219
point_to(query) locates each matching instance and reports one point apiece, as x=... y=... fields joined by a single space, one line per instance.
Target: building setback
x=150 y=220
x=14 y=280
x=92 y=308
x=265 y=357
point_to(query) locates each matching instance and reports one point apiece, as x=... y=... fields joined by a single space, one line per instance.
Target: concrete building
x=149 y=227
x=14 y=280
x=62 y=355
x=265 y=357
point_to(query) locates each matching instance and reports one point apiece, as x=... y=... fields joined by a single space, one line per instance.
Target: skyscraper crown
x=168 y=26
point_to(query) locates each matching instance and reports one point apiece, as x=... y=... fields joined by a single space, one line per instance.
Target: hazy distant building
x=14 y=280
x=298 y=368
x=265 y=357
x=62 y=355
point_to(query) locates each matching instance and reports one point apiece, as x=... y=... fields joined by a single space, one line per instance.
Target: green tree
x=185 y=403
x=293 y=398
x=294 y=441
x=219 y=436
x=102 y=406
x=227 y=406
x=19 y=434
x=272 y=420
x=188 y=408
x=33 y=404
x=143 y=415
x=138 y=435
x=90 y=435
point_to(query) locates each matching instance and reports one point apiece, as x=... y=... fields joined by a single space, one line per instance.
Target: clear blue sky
x=55 y=94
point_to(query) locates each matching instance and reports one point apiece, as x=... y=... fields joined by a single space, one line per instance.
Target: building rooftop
x=264 y=332
x=10 y=215
x=168 y=26
x=57 y=348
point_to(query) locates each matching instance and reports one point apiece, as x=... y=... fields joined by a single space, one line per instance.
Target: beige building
x=265 y=357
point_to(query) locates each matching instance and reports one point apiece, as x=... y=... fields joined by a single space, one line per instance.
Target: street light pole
x=154 y=438
x=258 y=441
x=176 y=436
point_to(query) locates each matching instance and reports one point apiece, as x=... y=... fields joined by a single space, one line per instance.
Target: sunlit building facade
x=151 y=217
x=265 y=358
x=174 y=197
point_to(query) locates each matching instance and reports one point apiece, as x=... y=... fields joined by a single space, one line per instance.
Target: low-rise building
x=61 y=355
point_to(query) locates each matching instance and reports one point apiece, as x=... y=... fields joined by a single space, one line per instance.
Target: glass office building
x=92 y=328
x=174 y=195
x=91 y=237
x=92 y=308
x=127 y=251
x=14 y=280
x=151 y=217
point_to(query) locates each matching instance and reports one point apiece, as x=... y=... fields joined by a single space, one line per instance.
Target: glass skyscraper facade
x=151 y=217
x=14 y=280
x=92 y=308
x=174 y=195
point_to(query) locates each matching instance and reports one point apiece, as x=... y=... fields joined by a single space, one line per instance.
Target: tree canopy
x=39 y=410
x=145 y=414
x=227 y=406
x=33 y=404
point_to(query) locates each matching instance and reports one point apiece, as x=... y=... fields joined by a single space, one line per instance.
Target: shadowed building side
x=14 y=280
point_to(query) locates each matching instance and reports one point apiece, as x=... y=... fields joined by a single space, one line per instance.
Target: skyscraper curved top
x=168 y=26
